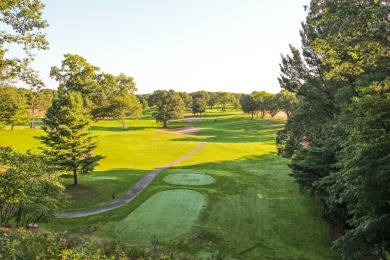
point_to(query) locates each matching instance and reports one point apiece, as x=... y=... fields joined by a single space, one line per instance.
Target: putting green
x=167 y=214
x=189 y=179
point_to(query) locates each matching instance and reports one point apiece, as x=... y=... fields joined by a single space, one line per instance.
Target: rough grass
x=166 y=215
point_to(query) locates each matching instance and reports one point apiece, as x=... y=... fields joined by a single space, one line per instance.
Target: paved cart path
x=131 y=194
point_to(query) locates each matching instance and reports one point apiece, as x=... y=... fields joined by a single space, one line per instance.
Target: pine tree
x=338 y=135
x=68 y=142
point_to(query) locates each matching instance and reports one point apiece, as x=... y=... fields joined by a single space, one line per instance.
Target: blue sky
x=185 y=45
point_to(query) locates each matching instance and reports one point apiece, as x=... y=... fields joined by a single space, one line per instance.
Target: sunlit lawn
x=252 y=209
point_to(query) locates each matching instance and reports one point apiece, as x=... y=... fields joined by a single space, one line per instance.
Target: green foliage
x=68 y=141
x=203 y=94
x=248 y=104
x=23 y=22
x=262 y=101
x=224 y=98
x=76 y=74
x=25 y=244
x=30 y=191
x=13 y=110
x=259 y=102
x=286 y=101
x=198 y=106
x=104 y=95
x=169 y=106
x=337 y=135
x=187 y=99
x=213 y=100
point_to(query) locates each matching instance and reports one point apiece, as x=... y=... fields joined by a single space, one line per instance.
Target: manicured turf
x=189 y=179
x=167 y=215
x=254 y=209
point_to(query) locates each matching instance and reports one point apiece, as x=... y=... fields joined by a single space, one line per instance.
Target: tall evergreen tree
x=337 y=137
x=68 y=141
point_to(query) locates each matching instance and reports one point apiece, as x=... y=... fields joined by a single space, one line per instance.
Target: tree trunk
x=32 y=118
x=12 y=127
x=165 y=124
x=288 y=114
x=19 y=216
x=75 y=177
x=252 y=114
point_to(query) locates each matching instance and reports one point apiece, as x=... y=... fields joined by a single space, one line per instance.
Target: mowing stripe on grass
x=167 y=214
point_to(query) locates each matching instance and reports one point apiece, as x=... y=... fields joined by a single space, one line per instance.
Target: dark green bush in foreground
x=25 y=244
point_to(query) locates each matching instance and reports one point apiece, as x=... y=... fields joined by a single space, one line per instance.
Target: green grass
x=167 y=214
x=254 y=209
x=21 y=138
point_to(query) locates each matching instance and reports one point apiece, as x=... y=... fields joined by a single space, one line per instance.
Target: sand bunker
x=189 y=179
x=181 y=131
x=191 y=119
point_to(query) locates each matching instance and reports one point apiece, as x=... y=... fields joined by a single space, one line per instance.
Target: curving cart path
x=131 y=194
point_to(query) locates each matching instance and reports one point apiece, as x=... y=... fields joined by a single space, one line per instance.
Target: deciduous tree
x=13 y=108
x=77 y=74
x=169 y=106
x=24 y=24
x=286 y=101
x=262 y=100
x=248 y=104
x=30 y=191
x=198 y=106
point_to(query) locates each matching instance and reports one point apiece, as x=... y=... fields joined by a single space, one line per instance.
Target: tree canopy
x=169 y=106
x=13 y=107
x=30 y=191
x=338 y=132
x=22 y=25
x=104 y=95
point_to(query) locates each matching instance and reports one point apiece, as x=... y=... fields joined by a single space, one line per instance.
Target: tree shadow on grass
x=119 y=128
x=235 y=131
x=96 y=189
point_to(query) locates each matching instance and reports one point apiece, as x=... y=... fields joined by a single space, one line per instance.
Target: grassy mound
x=189 y=179
x=167 y=215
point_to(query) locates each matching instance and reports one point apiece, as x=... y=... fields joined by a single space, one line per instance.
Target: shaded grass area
x=97 y=189
x=252 y=214
x=173 y=214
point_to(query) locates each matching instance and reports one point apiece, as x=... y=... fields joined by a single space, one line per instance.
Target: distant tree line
x=338 y=134
x=262 y=102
